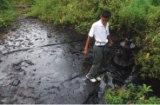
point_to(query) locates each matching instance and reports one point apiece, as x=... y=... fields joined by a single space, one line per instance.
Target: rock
x=15 y=82
x=5 y=100
x=29 y=62
x=121 y=62
x=18 y=68
x=49 y=35
x=30 y=43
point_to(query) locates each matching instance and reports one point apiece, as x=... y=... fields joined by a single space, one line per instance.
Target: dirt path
x=47 y=75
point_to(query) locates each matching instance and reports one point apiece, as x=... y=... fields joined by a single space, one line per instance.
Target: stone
x=15 y=82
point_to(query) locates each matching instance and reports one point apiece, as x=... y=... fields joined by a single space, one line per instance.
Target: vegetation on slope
x=7 y=14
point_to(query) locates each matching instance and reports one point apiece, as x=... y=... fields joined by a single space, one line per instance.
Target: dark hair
x=106 y=14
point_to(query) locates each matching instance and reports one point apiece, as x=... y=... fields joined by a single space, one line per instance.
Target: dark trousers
x=100 y=55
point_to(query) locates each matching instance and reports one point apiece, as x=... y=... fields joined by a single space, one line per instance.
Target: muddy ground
x=41 y=65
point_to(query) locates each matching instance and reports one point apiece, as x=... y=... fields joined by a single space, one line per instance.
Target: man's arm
x=86 y=48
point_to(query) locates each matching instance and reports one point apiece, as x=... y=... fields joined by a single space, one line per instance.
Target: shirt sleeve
x=91 y=32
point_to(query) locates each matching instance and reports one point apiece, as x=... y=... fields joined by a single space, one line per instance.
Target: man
x=99 y=31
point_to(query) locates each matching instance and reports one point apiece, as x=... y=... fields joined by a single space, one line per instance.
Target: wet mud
x=39 y=66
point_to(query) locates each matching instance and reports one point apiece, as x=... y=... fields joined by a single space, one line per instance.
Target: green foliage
x=131 y=95
x=29 y=2
x=128 y=15
x=7 y=14
x=149 y=56
x=156 y=2
x=4 y=4
x=71 y=12
x=153 y=18
x=134 y=15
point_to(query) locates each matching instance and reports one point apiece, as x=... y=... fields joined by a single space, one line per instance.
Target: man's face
x=104 y=20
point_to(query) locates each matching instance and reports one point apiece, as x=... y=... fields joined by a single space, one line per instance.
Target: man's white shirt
x=99 y=32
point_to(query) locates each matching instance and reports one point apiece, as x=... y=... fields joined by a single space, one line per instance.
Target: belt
x=100 y=43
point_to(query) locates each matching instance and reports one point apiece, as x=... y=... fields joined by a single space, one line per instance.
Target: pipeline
x=52 y=44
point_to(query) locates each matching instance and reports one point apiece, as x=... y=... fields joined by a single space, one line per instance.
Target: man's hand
x=85 y=52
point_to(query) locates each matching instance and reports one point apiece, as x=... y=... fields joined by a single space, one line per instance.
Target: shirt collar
x=100 y=23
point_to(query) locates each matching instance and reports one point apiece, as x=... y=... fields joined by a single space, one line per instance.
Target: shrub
x=149 y=56
x=131 y=95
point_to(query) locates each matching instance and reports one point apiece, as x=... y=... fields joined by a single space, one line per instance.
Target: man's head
x=105 y=17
